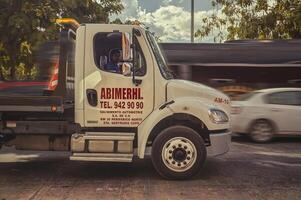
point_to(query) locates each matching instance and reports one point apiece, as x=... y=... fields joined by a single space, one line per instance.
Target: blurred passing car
x=264 y=114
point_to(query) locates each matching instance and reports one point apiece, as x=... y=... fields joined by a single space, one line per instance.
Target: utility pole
x=192 y=21
x=185 y=70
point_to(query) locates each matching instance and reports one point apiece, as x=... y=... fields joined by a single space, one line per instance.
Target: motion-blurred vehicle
x=237 y=67
x=264 y=114
x=46 y=79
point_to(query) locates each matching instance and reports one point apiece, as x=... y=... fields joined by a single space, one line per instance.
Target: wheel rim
x=262 y=132
x=179 y=154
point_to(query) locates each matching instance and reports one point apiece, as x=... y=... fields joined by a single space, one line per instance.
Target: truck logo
x=121 y=93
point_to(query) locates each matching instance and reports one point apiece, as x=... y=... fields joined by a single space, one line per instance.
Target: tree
x=24 y=23
x=28 y=23
x=253 y=19
x=90 y=11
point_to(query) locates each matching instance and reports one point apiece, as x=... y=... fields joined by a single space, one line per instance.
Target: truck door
x=111 y=97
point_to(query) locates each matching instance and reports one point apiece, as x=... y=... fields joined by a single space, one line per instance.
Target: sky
x=168 y=19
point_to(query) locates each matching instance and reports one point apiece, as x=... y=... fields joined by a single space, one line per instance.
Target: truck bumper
x=220 y=143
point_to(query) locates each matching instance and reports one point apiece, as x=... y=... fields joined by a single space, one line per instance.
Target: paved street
x=248 y=171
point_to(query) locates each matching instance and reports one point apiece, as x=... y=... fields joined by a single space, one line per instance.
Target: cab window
x=140 y=62
x=107 y=51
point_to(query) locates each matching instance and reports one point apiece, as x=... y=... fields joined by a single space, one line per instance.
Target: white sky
x=169 y=19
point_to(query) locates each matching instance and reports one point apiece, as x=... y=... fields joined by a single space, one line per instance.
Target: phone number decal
x=121 y=105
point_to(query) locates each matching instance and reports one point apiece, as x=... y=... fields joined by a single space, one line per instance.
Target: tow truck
x=109 y=116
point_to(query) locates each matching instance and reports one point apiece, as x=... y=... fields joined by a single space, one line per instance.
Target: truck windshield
x=165 y=71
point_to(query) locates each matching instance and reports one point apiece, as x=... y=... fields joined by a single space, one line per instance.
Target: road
x=248 y=171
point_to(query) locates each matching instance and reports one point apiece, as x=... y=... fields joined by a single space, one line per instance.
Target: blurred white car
x=263 y=114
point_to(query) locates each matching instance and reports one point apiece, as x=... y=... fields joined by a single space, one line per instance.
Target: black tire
x=175 y=133
x=262 y=131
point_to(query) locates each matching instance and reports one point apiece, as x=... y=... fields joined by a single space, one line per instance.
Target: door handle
x=275 y=110
x=92 y=97
x=137 y=82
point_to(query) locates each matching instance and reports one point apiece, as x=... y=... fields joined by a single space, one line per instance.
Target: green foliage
x=26 y=24
x=89 y=11
x=116 y=21
x=253 y=19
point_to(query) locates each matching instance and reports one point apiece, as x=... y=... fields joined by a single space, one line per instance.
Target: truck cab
x=146 y=99
x=132 y=105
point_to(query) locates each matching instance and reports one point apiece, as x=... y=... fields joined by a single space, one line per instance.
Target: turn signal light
x=53 y=108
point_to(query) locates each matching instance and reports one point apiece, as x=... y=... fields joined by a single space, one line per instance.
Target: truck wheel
x=178 y=152
x=261 y=131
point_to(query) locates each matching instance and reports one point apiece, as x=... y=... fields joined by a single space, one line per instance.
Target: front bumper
x=220 y=143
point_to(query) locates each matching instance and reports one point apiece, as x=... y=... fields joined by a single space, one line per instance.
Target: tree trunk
x=12 y=65
x=1 y=74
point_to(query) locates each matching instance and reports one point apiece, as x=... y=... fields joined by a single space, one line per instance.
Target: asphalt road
x=248 y=171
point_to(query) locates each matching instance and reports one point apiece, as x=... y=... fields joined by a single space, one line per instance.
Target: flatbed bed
x=37 y=97
x=15 y=103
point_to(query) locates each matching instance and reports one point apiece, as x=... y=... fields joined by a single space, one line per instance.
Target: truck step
x=104 y=157
x=109 y=136
x=103 y=146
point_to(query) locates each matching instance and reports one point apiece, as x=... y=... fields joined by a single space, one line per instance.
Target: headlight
x=218 y=116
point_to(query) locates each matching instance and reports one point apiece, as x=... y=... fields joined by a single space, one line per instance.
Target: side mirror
x=127 y=69
x=127 y=52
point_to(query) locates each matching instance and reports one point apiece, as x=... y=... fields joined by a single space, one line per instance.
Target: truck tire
x=178 y=152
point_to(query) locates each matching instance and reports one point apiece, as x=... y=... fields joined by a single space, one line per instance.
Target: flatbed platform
x=15 y=103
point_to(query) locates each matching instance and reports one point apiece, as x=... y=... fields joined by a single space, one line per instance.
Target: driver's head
x=115 y=56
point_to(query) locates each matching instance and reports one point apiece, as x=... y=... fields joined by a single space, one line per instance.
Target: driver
x=115 y=58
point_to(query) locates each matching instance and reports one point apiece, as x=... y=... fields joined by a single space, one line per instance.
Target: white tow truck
x=104 y=115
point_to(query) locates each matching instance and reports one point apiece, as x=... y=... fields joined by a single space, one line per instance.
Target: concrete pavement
x=248 y=171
